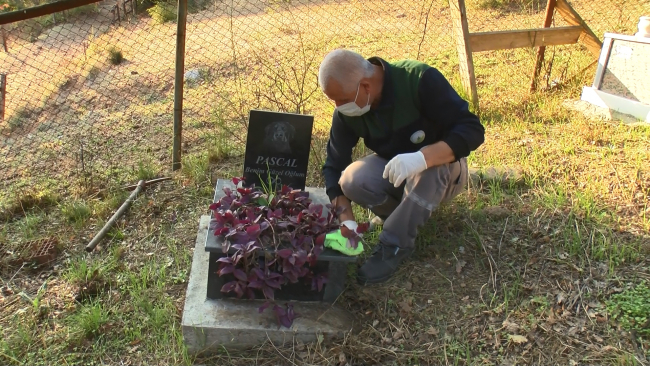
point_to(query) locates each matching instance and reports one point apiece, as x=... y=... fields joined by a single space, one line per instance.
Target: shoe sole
x=382 y=279
x=370 y=282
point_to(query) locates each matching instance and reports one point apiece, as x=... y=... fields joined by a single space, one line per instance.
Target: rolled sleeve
x=339 y=155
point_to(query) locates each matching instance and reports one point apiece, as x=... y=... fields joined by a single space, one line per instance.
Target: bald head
x=345 y=69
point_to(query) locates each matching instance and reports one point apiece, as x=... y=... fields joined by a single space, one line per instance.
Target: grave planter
x=331 y=262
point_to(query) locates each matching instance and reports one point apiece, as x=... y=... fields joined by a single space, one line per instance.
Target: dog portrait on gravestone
x=278 y=137
x=277 y=149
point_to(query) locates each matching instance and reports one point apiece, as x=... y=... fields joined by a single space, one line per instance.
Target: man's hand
x=403 y=166
x=344 y=203
x=338 y=242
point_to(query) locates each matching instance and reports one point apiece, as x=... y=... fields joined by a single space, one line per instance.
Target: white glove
x=352 y=225
x=403 y=166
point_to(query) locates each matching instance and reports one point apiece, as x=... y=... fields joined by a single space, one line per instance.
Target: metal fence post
x=178 y=83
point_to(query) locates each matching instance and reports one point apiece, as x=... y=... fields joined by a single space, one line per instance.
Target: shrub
x=115 y=55
x=162 y=13
x=285 y=226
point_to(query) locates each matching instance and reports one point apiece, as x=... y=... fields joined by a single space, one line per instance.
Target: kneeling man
x=421 y=132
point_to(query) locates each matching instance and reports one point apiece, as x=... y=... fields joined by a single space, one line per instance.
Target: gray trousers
x=408 y=207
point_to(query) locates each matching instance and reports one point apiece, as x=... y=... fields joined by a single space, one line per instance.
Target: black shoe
x=382 y=264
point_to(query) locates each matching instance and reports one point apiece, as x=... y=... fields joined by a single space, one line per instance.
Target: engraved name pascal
x=273 y=161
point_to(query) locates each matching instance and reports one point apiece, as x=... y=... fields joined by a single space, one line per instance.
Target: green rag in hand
x=338 y=242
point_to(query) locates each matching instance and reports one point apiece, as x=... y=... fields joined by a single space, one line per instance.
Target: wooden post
x=592 y=42
x=124 y=8
x=550 y=9
x=117 y=10
x=178 y=81
x=465 y=60
x=3 y=93
x=4 y=38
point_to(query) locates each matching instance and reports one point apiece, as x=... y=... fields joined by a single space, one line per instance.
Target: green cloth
x=338 y=242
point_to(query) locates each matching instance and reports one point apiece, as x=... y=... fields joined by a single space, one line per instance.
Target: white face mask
x=352 y=109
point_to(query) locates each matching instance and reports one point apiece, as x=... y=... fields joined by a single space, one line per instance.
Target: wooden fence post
x=550 y=10
x=3 y=93
x=465 y=60
x=178 y=83
x=592 y=42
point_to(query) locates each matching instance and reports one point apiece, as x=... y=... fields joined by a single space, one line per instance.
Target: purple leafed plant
x=272 y=238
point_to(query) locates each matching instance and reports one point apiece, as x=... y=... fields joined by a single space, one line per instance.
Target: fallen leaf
x=398 y=335
x=594 y=304
x=598 y=339
x=135 y=348
x=459 y=265
x=433 y=331
x=342 y=359
x=519 y=339
x=137 y=341
x=510 y=326
x=300 y=346
x=404 y=305
x=375 y=323
x=496 y=211
x=408 y=285
x=303 y=355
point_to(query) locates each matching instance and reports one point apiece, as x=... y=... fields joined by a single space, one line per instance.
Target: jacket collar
x=387 y=92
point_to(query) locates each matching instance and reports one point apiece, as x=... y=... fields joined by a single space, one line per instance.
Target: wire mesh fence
x=88 y=100
x=89 y=91
x=506 y=74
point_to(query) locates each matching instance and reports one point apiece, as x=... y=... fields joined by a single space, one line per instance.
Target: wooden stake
x=3 y=93
x=100 y=235
x=548 y=19
x=572 y=17
x=4 y=38
x=465 y=60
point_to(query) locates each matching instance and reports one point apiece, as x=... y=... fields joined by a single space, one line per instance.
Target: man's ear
x=365 y=85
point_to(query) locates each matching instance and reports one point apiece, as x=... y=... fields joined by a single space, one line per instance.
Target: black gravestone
x=277 y=149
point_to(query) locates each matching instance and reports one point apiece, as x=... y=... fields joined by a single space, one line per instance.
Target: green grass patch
x=196 y=167
x=631 y=309
x=115 y=56
x=30 y=224
x=76 y=212
x=89 y=319
x=162 y=12
x=21 y=200
x=146 y=171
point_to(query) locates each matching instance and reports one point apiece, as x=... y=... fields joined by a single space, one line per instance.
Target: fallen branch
x=100 y=235
x=147 y=183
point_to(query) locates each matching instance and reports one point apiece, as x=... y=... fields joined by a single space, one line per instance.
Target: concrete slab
x=212 y=325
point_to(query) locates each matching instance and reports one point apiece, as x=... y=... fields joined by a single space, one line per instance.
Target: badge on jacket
x=417 y=137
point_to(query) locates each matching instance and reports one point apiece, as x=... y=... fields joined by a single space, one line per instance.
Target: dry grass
x=535 y=257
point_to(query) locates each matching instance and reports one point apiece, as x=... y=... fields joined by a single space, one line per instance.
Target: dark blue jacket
x=415 y=98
